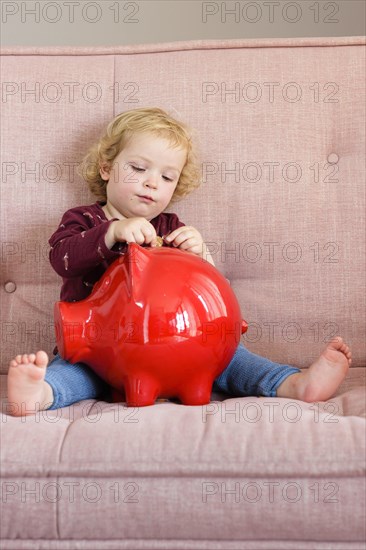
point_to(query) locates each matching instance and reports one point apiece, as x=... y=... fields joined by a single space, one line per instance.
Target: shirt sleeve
x=174 y=222
x=76 y=247
x=170 y=223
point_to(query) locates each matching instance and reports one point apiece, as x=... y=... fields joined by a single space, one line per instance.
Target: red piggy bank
x=161 y=322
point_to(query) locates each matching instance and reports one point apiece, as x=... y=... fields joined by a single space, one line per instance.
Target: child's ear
x=104 y=170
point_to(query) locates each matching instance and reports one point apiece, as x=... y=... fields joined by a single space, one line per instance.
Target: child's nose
x=151 y=181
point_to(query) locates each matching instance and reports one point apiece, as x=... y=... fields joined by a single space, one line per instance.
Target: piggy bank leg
x=141 y=390
x=117 y=396
x=196 y=392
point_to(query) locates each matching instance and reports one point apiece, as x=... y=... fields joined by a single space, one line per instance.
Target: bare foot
x=28 y=392
x=321 y=380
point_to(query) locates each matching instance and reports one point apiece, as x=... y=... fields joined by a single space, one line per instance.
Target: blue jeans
x=247 y=374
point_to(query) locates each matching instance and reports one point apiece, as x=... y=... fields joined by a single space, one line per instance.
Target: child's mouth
x=146 y=198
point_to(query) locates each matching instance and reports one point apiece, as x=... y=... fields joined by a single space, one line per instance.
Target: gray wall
x=119 y=22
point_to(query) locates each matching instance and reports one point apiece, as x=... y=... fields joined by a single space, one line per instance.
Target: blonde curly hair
x=118 y=132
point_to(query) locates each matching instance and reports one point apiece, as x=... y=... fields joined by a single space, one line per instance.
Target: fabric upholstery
x=280 y=124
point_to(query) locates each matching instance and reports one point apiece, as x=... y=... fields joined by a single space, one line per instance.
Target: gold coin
x=159 y=241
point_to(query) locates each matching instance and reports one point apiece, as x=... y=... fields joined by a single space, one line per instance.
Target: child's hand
x=134 y=230
x=187 y=238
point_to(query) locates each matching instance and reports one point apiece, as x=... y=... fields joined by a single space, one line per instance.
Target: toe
x=25 y=358
x=41 y=359
x=32 y=357
x=18 y=359
x=336 y=342
x=13 y=363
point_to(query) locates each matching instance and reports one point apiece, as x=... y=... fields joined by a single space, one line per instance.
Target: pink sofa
x=282 y=130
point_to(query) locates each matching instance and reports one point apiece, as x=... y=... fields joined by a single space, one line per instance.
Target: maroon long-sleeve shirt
x=78 y=250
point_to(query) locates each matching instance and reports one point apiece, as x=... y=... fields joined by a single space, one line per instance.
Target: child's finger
x=149 y=234
x=190 y=244
x=177 y=238
x=137 y=237
x=173 y=235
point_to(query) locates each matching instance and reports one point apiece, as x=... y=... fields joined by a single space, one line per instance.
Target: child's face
x=143 y=177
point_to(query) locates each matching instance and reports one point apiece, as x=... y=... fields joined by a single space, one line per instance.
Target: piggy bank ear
x=129 y=270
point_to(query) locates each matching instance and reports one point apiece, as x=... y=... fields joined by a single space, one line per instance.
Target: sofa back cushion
x=281 y=130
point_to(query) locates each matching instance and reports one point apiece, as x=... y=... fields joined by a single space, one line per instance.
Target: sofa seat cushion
x=99 y=471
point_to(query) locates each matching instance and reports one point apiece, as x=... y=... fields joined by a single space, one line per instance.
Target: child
x=143 y=161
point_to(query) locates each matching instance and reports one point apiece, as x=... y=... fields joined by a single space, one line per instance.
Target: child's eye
x=137 y=169
x=167 y=179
